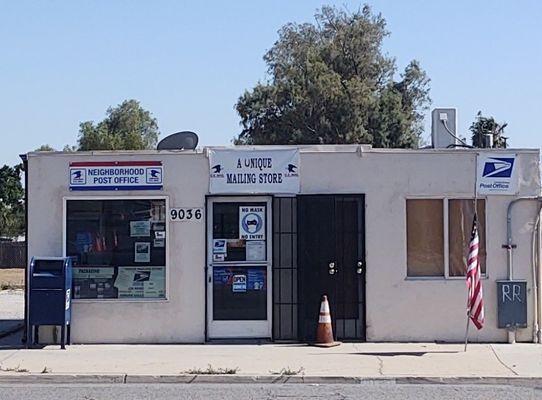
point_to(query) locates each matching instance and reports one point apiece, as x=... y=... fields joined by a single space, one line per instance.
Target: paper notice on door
x=239 y=284
x=219 y=246
x=219 y=257
x=252 y=223
x=255 y=250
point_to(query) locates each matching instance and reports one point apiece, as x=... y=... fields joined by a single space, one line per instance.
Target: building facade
x=191 y=246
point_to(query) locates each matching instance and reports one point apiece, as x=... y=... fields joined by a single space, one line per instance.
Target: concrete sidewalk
x=11 y=311
x=267 y=362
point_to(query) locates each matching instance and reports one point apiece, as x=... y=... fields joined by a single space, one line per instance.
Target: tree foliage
x=487 y=125
x=330 y=82
x=45 y=147
x=126 y=127
x=11 y=201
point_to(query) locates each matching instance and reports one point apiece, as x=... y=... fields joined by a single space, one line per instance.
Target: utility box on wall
x=50 y=295
x=512 y=304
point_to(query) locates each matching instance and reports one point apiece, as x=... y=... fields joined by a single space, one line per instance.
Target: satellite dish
x=184 y=140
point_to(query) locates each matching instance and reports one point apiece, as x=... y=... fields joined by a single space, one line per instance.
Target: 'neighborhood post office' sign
x=116 y=175
x=496 y=173
x=254 y=171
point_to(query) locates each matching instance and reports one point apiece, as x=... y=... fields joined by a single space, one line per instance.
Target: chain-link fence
x=12 y=255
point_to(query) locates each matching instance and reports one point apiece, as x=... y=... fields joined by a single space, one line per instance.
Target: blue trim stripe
x=108 y=188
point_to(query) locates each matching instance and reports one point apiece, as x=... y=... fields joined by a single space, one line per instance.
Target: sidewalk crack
x=501 y=361
x=380 y=365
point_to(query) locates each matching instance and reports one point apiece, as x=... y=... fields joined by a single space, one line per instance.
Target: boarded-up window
x=425 y=237
x=460 y=215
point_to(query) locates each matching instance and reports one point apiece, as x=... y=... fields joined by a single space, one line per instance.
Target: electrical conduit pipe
x=535 y=260
x=509 y=246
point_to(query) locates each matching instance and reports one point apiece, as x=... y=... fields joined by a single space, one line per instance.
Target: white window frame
x=446 y=237
x=65 y=200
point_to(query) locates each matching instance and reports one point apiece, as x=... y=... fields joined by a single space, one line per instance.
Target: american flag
x=475 y=304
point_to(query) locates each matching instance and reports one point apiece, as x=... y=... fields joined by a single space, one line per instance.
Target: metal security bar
x=285 y=298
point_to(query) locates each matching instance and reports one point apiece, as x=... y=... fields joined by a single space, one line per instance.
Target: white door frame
x=233 y=328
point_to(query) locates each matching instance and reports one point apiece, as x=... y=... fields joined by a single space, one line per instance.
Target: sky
x=64 y=62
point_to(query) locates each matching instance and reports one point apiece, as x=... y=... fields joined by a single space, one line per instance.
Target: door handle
x=359 y=270
x=332 y=269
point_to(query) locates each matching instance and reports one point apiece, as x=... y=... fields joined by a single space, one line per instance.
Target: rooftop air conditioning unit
x=444 y=128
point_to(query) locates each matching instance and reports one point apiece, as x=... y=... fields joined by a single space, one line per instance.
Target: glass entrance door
x=239 y=253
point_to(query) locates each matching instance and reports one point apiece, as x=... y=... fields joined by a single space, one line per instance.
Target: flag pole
x=475 y=212
x=467 y=331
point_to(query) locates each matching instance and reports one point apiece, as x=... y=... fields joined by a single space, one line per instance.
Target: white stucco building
x=190 y=246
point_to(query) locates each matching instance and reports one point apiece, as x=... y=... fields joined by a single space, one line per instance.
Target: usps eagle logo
x=497 y=167
x=78 y=176
x=291 y=170
x=154 y=175
x=217 y=171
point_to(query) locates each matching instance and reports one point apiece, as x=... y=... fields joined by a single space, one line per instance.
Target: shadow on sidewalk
x=11 y=334
x=404 y=353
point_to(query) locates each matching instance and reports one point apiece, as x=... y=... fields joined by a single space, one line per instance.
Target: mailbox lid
x=50 y=273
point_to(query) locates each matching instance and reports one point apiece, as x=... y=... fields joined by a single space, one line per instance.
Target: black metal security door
x=331 y=251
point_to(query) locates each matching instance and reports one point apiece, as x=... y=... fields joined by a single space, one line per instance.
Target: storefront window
x=425 y=237
x=460 y=216
x=119 y=248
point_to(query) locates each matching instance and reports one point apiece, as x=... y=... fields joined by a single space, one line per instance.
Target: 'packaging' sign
x=254 y=171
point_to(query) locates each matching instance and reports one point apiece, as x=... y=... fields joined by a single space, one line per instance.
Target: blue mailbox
x=50 y=295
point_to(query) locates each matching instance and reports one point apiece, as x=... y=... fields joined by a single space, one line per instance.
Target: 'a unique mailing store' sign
x=116 y=175
x=254 y=171
x=497 y=174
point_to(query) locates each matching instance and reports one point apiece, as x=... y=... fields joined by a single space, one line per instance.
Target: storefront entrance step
x=239 y=341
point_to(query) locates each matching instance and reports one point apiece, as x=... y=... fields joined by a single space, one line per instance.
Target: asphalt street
x=270 y=391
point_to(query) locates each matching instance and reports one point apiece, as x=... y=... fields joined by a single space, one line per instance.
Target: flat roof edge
x=339 y=148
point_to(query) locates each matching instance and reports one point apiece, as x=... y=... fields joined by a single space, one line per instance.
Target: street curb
x=261 y=379
x=59 y=379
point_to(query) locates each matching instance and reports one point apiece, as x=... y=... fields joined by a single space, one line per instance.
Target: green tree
x=126 y=127
x=487 y=125
x=45 y=147
x=330 y=82
x=11 y=201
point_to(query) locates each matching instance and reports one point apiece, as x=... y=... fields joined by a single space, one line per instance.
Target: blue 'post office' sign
x=116 y=175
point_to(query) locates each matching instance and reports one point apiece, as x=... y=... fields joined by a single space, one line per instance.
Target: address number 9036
x=186 y=214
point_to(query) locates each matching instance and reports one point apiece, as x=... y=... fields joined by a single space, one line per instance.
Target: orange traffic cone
x=324 y=332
